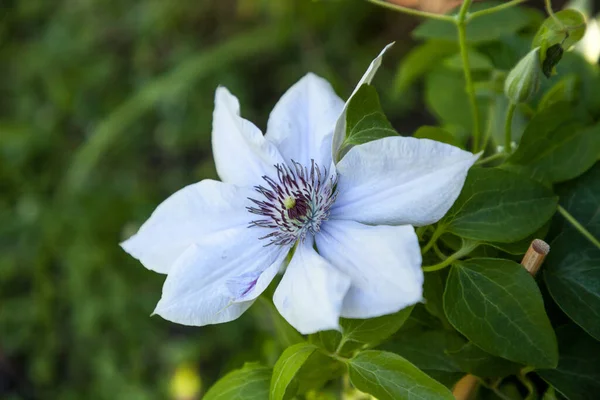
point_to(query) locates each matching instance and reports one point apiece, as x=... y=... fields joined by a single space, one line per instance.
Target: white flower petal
x=399 y=181
x=383 y=262
x=340 y=127
x=302 y=122
x=217 y=279
x=311 y=292
x=204 y=208
x=242 y=154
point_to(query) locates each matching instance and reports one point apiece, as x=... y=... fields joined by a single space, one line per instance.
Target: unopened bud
x=524 y=80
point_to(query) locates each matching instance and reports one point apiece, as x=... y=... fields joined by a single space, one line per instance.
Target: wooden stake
x=465 y=387
x=533 y=259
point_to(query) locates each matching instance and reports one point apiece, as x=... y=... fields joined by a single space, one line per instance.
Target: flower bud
x=524 y=79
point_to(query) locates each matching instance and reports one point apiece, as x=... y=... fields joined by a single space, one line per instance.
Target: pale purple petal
x=302 y=122
x=203 y=209
x=242 y=154
x=217 y=279
x=383 y=263
x=400 y=181
x=311 y=292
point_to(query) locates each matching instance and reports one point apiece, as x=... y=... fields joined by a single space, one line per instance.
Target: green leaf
x=433 y=289
x=483 y=29
x=419 y=60
x=250 y=382
x=286 y=368
x=499 y=206
x=550 y=33
x=388 y=376
x=364 y=119
x=577 y=375
x=477 y=62
x=564 y=91
x=572 y=275
x=437 y=134
x=556 y=146
x=497 y=305
x=427 y=349
x=521 y=246
x=581 y=198
x=317 y=370
x=446 y=98
x=572 y=269
x=474 y=360
x=358 y=333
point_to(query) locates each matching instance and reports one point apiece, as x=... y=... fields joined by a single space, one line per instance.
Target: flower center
x=295 y=203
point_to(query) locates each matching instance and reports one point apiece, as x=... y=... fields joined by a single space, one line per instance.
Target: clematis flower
x=350 y=223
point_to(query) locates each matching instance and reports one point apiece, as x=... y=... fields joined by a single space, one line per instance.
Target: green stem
x=492 y=10
x=551 y=13
x=463 y=251
x=508 y=128
x=578 y=226
x=411 y=11
x=490 y=158
x=461 y=24
x=438 y=252
x=436 y=235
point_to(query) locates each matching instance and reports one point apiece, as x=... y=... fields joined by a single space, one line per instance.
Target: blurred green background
x=106 y=109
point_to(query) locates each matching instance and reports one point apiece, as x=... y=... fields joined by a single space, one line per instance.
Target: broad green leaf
x=572 y=275
x=564 y=91
x=497 y=305
x=550 y=33
x=581 y=198
x=250 y=382
x=437 y=134
x=572 y=269
x=483 y=29
x=286 y=368
x=317 y=370
x=556 y=146
x=578 y=373
x=427 y=349
x=499 y=206
x=521 y=246
x=364 y=119
x=477 y=62
x=474 y=360
x=419 y=61
x=359 y=333
x=433 y=289
x=446 y=98
x=388 y=376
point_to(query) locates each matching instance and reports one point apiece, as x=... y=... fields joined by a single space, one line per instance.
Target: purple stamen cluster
x=295 y=203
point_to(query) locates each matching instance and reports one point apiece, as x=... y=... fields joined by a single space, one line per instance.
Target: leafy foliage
x=496 y=304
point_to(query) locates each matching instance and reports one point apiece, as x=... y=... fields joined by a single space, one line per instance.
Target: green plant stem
x=436 y=235
x=411 y=11
x=490 y=158
x=551 y=13
x=578 y=226
x=463 y=251
x=508 y=128
x=461 y=24
x=492 y=10
x=438 y=252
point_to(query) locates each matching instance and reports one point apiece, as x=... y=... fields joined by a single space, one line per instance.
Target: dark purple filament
x=295 y=204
